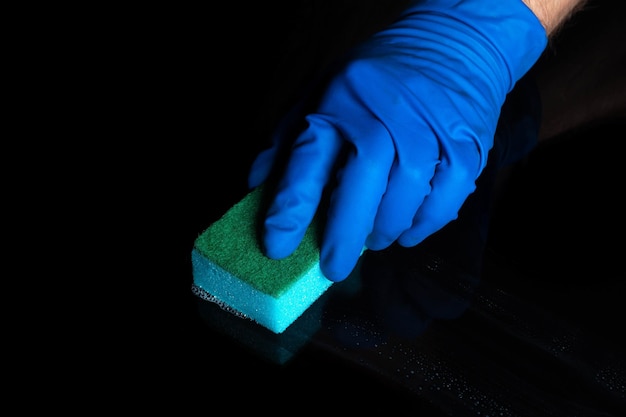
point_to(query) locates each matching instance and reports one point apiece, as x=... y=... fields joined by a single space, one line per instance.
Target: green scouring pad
x=229 y=266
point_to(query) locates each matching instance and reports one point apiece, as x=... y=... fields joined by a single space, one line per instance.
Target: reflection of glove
x=408 y=122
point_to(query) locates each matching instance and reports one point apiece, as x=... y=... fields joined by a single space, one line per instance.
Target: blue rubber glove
x=401 y=131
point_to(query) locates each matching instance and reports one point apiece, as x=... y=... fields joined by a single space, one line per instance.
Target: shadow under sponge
x=229 y=265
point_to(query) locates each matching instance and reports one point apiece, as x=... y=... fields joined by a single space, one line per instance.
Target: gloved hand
x=401 y=131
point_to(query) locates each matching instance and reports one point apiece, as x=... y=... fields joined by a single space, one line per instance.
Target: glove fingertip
x=410 y=239
x=338 y=266
x=256 y=178
x=280 y=239
x=276 y=248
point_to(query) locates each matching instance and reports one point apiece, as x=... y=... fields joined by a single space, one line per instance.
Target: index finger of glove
x=298 y=193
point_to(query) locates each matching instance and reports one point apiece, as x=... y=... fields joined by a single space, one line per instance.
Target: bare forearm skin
x=553 y=13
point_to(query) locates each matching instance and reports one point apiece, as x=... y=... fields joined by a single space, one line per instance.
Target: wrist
x=553 y=13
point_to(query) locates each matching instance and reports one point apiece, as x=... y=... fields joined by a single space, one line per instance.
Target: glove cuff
x=509 y=26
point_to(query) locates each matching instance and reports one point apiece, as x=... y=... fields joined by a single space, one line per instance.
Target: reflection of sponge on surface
x=228 y=265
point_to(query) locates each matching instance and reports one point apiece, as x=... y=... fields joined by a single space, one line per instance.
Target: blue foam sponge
x=229 y=266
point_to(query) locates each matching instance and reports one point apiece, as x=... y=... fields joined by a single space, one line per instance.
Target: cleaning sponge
x=229 y=266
